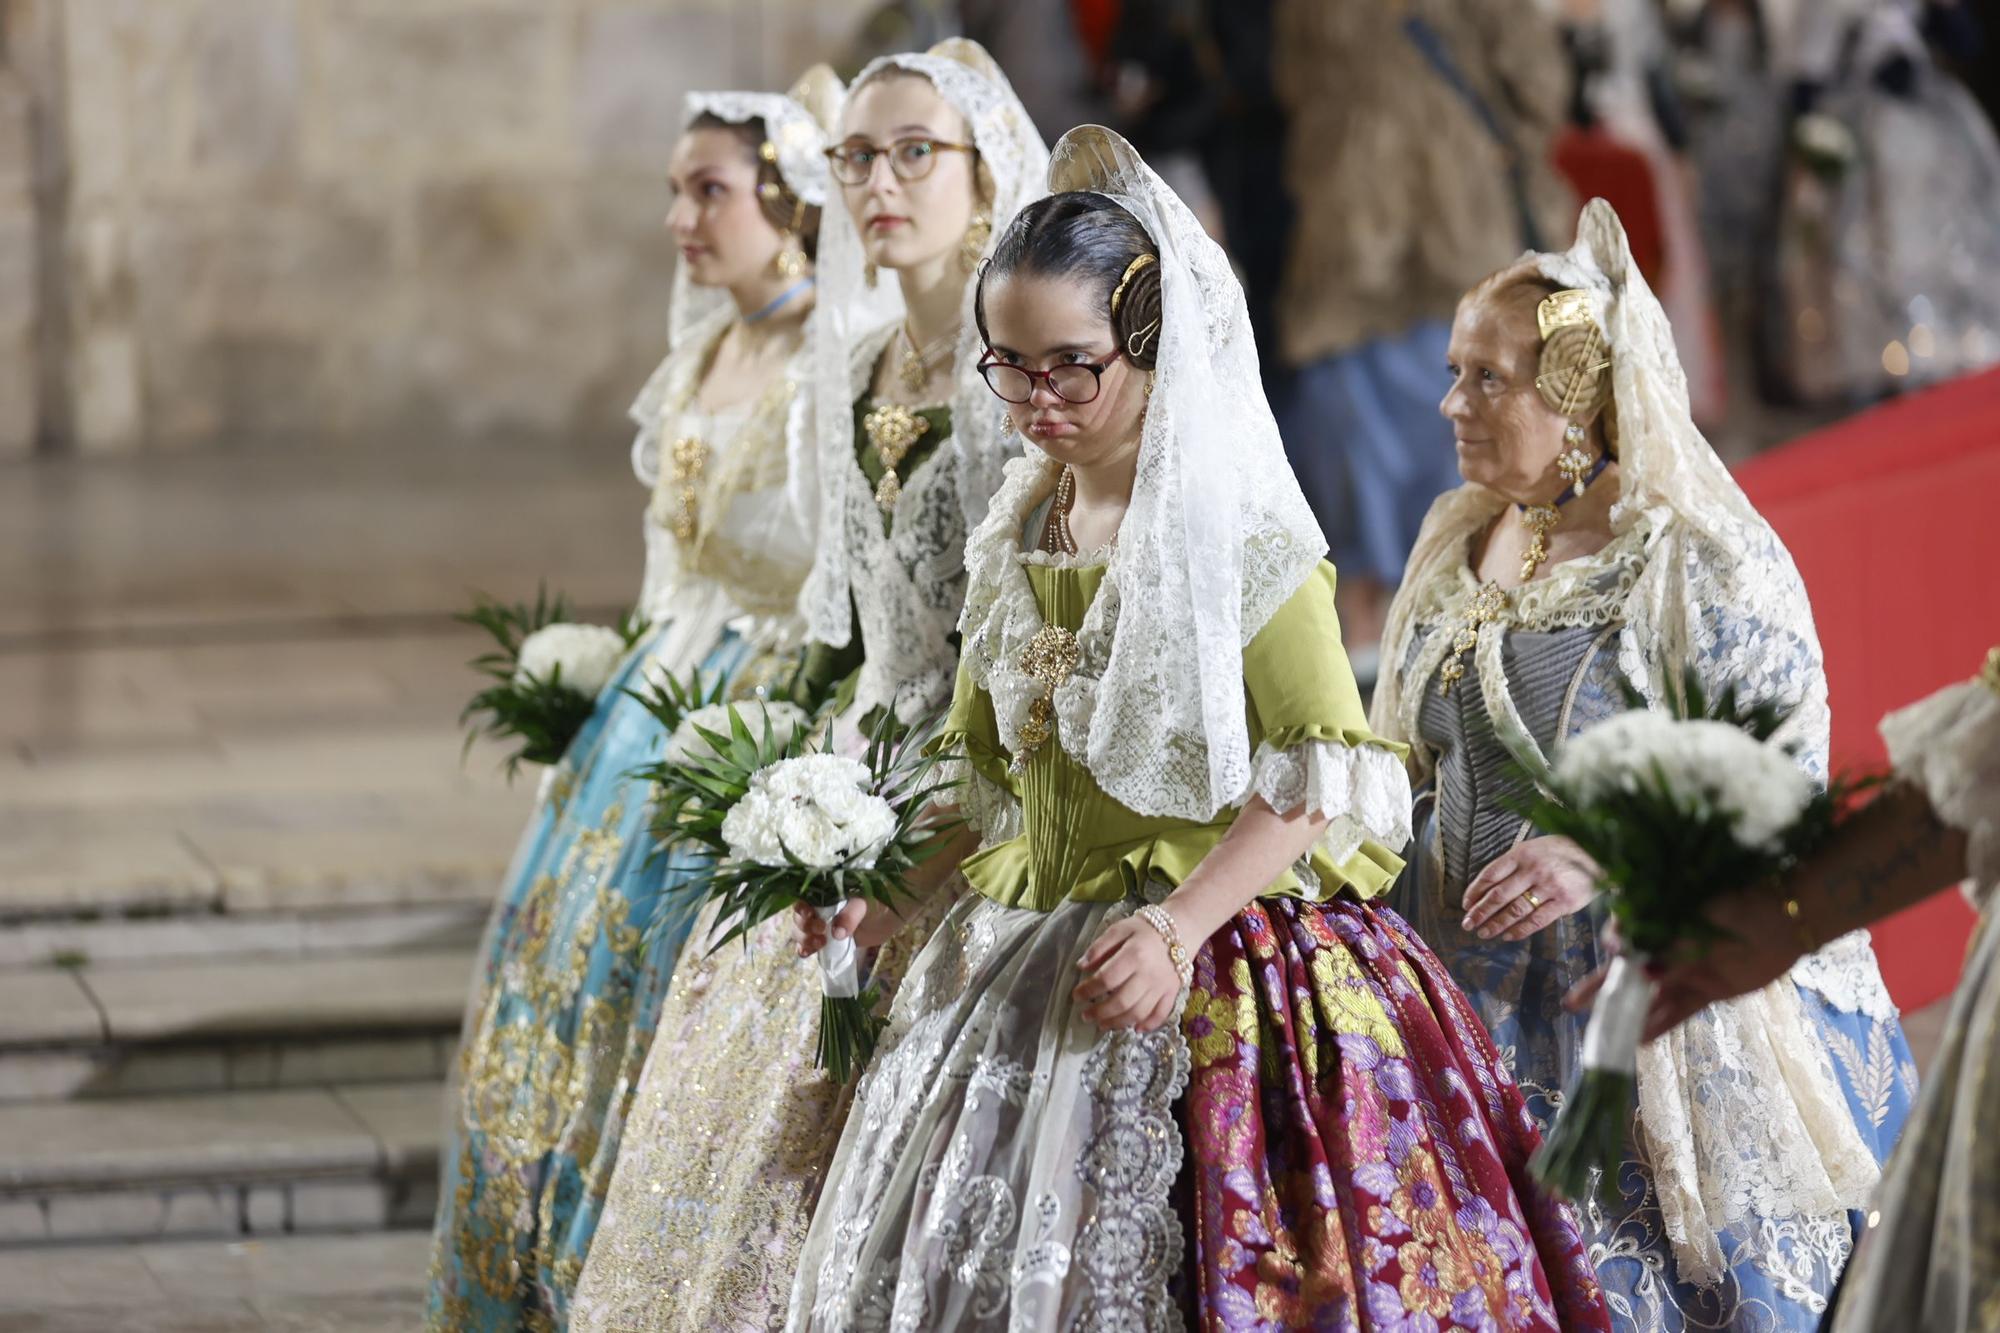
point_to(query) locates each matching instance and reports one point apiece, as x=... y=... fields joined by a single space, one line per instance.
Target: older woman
x=1599 y=546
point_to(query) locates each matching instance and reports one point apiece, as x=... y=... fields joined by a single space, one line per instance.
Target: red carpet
x=1894 y=518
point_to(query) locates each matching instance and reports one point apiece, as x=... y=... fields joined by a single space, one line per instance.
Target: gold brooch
x=1049 y=660
x=689 y=457
x=1487 y=605
x=894 y=430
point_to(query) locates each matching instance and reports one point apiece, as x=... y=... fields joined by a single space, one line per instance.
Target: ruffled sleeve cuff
x=1358 y=783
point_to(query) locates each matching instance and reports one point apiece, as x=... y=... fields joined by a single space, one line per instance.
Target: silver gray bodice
x=1476 y=787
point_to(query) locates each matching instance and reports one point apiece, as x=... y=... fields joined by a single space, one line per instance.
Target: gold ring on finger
x=1534 y=903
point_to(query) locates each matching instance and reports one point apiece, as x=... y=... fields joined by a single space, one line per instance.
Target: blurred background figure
x=1887 y=252
x=1417 y=160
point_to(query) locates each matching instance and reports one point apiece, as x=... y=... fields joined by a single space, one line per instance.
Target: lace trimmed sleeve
x=1314 y=746
x=1362 y=790
x=1949 y=746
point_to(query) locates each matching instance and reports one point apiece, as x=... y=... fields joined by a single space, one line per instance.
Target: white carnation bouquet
x=547 y=673
x=785 y=822
x=1676 y=811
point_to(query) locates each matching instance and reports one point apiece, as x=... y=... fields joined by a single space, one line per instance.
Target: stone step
x=229 y=1164
x=241 y=1024
x=88 y=940
x=326 y=1284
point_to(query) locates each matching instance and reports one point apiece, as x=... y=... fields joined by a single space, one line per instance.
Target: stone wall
x=373 y=220
x=20 y=394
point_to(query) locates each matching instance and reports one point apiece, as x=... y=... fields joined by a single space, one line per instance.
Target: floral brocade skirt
x=728 y=1143
x=1327 y=1141
x=577 y=957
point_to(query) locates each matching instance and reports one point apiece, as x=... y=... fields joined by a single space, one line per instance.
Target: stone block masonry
x=421 y=222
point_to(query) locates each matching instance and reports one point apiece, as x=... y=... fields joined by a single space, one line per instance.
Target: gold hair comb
x=1131 y=272
x=1564 y=309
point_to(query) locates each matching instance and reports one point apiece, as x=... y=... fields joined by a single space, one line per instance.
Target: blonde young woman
x=733 y=1126
x=576 y=960
x=1599 y=545
x=1166 y=1052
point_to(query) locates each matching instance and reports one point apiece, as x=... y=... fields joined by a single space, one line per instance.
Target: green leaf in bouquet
x=543 y=715
x=1587 y=1140
x=849 y=1030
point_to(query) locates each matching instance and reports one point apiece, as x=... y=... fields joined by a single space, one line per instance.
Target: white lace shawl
x=1740 y=1111
x=1216 y=538
x=970 y=461
x=1363 y=791
x=795 y=125
x=1949 y=746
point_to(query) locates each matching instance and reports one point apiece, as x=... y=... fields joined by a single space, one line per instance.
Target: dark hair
x=782 y=209
x=1092 y=238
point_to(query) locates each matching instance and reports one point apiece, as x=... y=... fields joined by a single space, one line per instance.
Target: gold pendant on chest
x=688 y=459
x=893 y=430
x=1487 y=605
x=1049 y=660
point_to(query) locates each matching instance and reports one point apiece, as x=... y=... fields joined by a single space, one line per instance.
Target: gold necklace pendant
x=1487 y=605
x=1050 y=659
x=893 y=430
x=915 y=368
x=689 y=459
x=1538 y=520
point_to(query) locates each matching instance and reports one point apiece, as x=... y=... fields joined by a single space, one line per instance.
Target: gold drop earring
x=1575 y=461
x=973 y=244
x=791 y=261
x=869 y=273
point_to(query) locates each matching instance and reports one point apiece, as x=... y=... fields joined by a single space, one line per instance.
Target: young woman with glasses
x=1165 y=1060
x=732 y=1125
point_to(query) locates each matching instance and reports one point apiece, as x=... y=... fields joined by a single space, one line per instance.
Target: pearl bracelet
x=1160 y=919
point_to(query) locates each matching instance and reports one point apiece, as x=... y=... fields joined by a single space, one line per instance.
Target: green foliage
x=544 y=716
x=1589 y=1134
x=691 y=800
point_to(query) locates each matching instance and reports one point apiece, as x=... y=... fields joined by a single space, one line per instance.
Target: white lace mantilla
x=1739 y=1108
x=1013 y=158
x=1363 y=790
x=907 y=582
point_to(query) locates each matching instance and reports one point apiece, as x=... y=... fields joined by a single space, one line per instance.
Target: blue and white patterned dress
x=585 y=937
x=1565 y=657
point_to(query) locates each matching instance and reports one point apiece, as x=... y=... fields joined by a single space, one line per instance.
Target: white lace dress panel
x=1001 y=1148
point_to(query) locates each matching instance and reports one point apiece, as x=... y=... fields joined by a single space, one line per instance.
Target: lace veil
x=1216 y=538
x=1740 y=1111
x=1015 y=157
x=796 y=124
x=1710 y=549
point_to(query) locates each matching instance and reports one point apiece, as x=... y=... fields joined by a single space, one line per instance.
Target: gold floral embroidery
x=524 y=1079
x=1341 y=988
